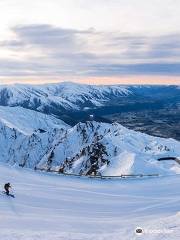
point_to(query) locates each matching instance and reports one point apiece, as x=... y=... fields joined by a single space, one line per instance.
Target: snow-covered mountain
x=26 y=135
x=110 y=149
x=47 y=205
x=58 y=97
x=28 y=121
x=32 y=139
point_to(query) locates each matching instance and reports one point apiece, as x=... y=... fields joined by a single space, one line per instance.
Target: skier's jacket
x=7 y=186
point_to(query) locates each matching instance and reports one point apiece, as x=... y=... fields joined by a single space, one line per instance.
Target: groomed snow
x=54 y=207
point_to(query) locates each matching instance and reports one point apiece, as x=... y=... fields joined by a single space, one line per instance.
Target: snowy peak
x=93 y=147
x=26 y=136
x=28 y=121
x=81 y=92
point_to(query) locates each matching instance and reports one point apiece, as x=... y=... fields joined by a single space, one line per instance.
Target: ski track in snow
x=47 y=207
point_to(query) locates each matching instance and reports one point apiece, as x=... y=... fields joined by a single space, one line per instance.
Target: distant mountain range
x=65 y=97
x=55 y=98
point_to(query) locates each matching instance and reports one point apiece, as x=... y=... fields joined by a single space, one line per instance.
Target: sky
x=98 y=42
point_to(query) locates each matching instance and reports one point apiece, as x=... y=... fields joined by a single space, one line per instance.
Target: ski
x=8 y=195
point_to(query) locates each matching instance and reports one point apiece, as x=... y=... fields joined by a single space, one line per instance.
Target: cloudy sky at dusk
x=101 y=41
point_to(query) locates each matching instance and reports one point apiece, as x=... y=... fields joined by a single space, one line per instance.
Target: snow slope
x=28 y=121
x=25 y=135
x=112 y=149
x=31 y=139
x=68 y=208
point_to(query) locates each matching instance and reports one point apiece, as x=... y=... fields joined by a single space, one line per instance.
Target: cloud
x=46 y=50
x=168 y=69
x=47 y=37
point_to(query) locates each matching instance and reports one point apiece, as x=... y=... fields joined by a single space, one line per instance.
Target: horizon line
x=124 y=80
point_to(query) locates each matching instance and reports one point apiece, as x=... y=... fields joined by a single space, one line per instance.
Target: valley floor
x=57 y=207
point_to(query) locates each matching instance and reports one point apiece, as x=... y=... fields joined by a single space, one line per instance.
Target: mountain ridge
x=87 y=148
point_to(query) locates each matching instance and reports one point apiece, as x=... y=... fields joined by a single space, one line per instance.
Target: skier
x=7 y=186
